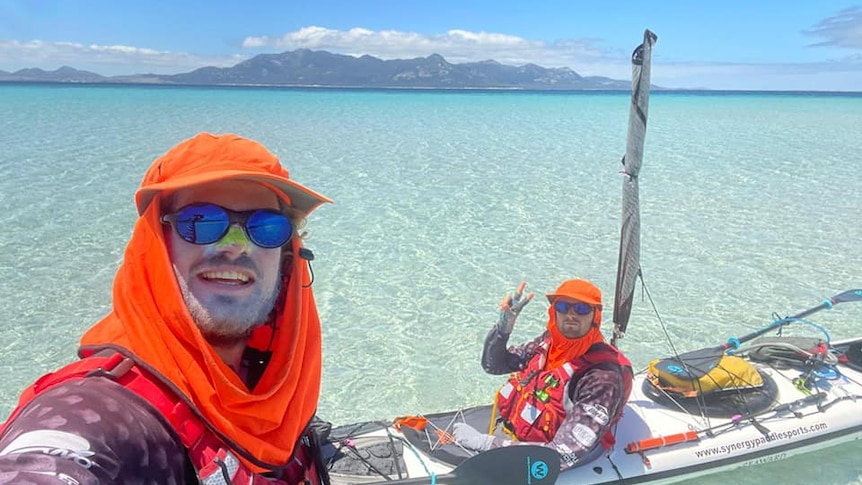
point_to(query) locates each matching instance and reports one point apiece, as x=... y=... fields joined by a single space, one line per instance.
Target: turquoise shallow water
x=444 y=202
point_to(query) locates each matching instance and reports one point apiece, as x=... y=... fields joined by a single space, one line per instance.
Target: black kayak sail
x=628 y=267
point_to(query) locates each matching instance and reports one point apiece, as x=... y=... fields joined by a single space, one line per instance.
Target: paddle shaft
x=698 y=362
x=442 y=479
x=846 y=296
x=509 y=465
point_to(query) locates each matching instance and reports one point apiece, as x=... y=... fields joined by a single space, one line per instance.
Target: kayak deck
x=795 y=421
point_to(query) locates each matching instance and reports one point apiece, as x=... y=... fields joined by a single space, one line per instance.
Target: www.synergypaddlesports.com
x=755 y=443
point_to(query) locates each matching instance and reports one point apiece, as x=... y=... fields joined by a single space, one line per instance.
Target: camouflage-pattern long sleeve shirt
x=94 y=431
x=590 y=402
x=89 y=432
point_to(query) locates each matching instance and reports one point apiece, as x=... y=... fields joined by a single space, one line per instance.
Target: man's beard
x=226 y=319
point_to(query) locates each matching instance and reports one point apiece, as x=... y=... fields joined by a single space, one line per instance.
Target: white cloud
x=103 y=59
x=841 y=30
x=587 y=56
x=845 y=75
x=455 y=45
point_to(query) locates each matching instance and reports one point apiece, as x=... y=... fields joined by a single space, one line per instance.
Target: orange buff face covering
x=150 y=319
x=564 y=349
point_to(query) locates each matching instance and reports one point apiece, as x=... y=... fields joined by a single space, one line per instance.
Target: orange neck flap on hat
x=564 y=349
x=150 y=319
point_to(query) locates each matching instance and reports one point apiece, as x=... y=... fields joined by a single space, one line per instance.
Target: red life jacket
x=208 y=450
x=531 y=402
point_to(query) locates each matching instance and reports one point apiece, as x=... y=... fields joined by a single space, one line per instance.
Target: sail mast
x=628 y=266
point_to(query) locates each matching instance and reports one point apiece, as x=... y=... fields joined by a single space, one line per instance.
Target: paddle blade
x=512 y=465
x=849 y=295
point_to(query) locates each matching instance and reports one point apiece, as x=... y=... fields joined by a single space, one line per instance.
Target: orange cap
x=581 y=290
x=208 y=158
x=578 y=289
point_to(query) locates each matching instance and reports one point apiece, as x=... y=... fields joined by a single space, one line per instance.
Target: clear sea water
x=750 y=205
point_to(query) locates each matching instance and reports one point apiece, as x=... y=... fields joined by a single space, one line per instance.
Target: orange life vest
x=531 y=402
x=213 y=459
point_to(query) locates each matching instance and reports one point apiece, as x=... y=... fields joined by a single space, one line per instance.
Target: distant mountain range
x=307 y=68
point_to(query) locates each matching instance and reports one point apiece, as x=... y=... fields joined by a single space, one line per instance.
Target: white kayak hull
x=831 y=416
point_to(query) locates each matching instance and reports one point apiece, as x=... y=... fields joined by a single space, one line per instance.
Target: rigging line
x=347 y=438
x=620 y=478
x=699 y=400
x=809 y=323
x=394 y=454
x=364 y=460
x=700 y=397
x=848 y=397
x=610 y=458
x=646 y=291
x=405 y=443
x=769 y=414
x=679 y=406
x=739 y=391
x=850 y=378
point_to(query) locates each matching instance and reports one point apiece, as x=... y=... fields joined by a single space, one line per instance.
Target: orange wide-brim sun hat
x=207 y=158
x=578 y=289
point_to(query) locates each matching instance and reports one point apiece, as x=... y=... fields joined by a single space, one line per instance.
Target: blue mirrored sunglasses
x=580 y=307
x=208 y=223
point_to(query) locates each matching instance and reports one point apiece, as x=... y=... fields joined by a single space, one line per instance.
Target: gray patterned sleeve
x=597 y=396
x=498 y=360
x=90 y=431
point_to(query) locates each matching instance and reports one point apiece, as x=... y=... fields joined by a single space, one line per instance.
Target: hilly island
x=308 y=68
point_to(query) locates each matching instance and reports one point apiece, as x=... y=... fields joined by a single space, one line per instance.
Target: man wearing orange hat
x=567 y=387
x=207 y=370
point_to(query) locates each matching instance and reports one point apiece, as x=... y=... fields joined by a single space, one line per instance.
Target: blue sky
x=730 y=44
